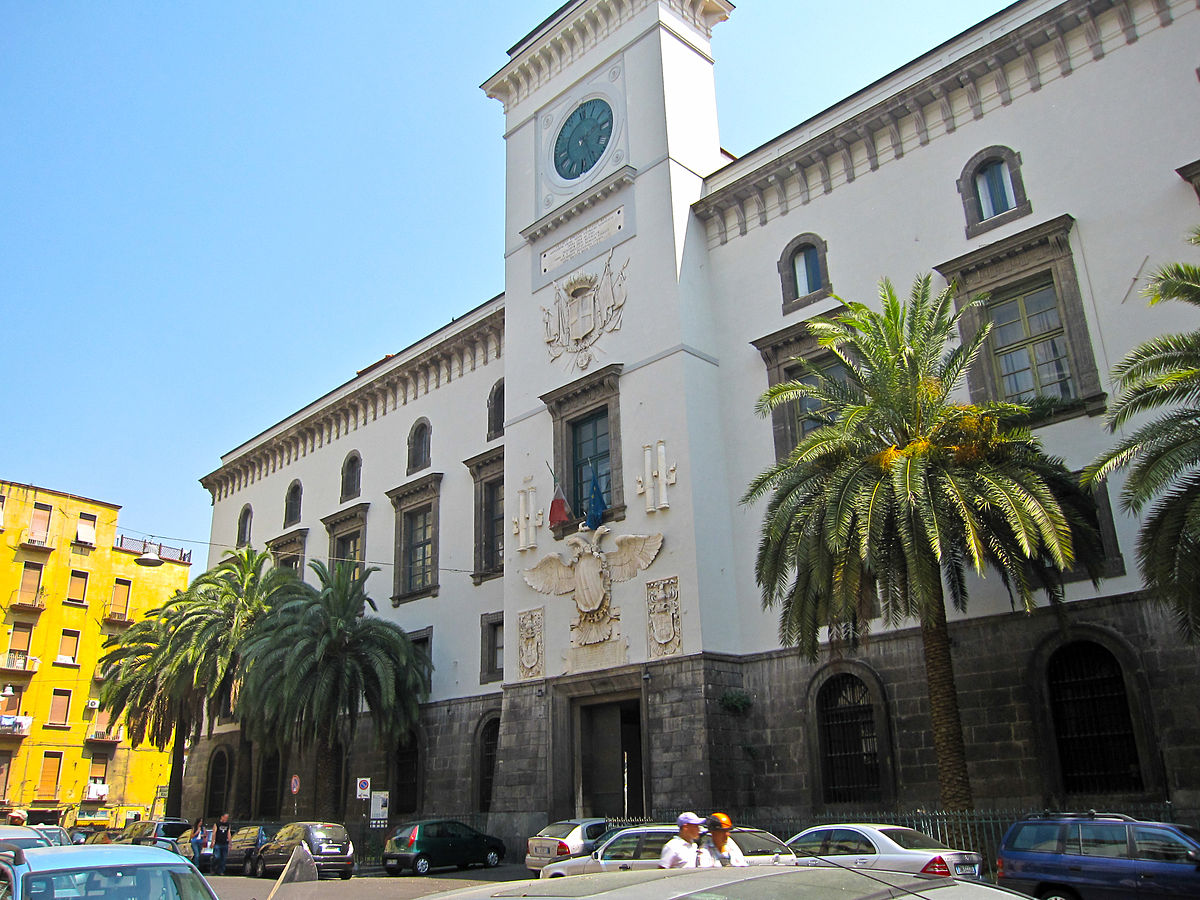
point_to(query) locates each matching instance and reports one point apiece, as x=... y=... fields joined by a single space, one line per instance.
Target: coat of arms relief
x=589 y=573
x=586 y=306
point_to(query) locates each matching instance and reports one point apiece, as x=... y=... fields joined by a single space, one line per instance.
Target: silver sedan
x=894 y=847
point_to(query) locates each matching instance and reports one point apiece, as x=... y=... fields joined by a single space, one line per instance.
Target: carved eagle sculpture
x=589 y=572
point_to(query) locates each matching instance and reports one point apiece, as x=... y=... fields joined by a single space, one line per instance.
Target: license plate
x=541 y=851
x=331 y=850
x=964 y=870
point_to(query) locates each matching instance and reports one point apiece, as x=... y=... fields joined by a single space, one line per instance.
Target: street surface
x=402 y=887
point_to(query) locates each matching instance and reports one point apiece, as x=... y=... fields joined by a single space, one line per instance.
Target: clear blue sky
x=211 y=213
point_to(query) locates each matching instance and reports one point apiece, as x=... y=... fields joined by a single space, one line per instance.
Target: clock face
x=583 y=138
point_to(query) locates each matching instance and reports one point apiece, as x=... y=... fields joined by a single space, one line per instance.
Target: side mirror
x=595 y=854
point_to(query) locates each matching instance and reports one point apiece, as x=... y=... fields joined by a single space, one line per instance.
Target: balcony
x=107 y=737
x=95 y=792
x=36 y=539
x=100 y=674
x=117 y=614
x=15 y=726
x=165 y=553
x=18 y=662
x=28 y=601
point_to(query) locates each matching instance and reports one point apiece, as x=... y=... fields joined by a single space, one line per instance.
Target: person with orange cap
x=721 y=847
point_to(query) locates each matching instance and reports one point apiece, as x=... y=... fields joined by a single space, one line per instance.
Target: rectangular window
x=5 y=767
x=498 y=646
x=98 y=774
x=39 y=523
x=77 y=587
x=491 y=666
x=31 y=583
x=22 y=637
x=101 y=723
x=68 y=646
x=60 y=707
x=1 y=510
x=120 y=597
x=493 y=525
x=418 y=555
x=805 y=410
x=347 y=547
x=48 y=783
x=85 y=529
x=422 y=642
x=1030 y=346
x=590 y=458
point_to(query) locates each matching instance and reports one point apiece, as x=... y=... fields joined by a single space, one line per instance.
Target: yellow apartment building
x=68 y=581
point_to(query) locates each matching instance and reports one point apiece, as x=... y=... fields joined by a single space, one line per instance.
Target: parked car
x=330 y=846
x=641 y=846
x=99 y=871
x=55 y=834
x=184 y=843
x=565 y=838
x=22 y=836
x=244 y=845
x=892 y=847
x=153 y=832
x=432 y=843
x=1094 y=855
x=754 y=883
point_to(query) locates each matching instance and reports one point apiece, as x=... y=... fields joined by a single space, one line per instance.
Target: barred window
x=849 y=744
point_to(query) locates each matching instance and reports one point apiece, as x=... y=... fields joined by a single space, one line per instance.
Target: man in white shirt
x=723 y=849
x=683 y=851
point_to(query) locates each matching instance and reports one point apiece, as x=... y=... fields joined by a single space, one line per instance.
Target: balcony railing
x=110 y=735
x=19 y=662
x=95 y=791
x=100 y=674
x=28 y=601
x=165 y=553
x=117 y=615
x=15 y=726
x=36 y=540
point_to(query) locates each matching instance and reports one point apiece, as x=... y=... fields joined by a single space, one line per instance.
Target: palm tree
x=211 y=620
x=1163 y=455
x=900 y=491
x=146 y=684
x=315 y=660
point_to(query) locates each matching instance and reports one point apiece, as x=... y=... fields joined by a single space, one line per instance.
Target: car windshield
x=173 y=829
x=160 y=882
x=910 y=839
x=334 y=833
x=26 y=842
x=759 y=843
x=558 y=829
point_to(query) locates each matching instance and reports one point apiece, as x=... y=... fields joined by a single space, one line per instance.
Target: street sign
x=364 y=789
x=379 y=806
x=160 y=792
x=295 y=784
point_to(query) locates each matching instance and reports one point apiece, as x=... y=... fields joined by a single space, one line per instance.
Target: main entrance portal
x=608 y=773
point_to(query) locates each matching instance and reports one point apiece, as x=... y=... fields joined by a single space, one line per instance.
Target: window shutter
x=60 y=705
x=48 y=785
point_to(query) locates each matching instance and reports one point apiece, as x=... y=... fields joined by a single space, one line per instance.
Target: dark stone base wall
x=763 y=762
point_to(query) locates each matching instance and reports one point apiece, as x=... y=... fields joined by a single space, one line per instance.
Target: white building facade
x=654 y=288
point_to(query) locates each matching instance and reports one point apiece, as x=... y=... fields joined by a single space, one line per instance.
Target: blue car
x=1099 y=856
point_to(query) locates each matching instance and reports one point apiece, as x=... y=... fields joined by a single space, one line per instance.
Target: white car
x=641 y=846
x=892 y=847
x=559 y=840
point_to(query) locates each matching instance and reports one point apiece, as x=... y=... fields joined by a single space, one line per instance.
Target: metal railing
x=19 y=662
x=32 y=599
x=140 y=546
x=15 y=726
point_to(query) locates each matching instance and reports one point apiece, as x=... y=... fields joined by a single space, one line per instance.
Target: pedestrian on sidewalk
x=723 y=849
x=220 y=844
x=683 y=851
x=197 y=841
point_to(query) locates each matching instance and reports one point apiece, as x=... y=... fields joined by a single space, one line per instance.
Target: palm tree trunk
x=245 y=775
x=954 y=783
x=179 y=738
x=328 y=769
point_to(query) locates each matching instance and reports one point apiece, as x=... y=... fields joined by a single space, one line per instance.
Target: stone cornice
x=379 y=389
x=580 y=204
x=424 y=488
x=357 y=511
x=1055 y=229
x=601 y=379
x=948 y=97
x=546 y=54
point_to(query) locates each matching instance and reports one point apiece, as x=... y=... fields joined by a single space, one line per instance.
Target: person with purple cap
x=683 y=851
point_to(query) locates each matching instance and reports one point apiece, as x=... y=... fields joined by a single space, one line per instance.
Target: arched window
x=803 y=272
x=245 y=519
x=489 y=741
x=218 y=785
x=1089 y=708
x=269 y=786
x=406 y=798
x=418 y=446
x=351 y=476
x=291 y=504
x=992 y=190
x=849 y=744
x=495 y=411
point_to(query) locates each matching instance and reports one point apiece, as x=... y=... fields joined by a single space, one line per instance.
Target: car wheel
x=347 y=875
x=260 y=868
x=248 y=865
x=1057 y=893
x=421 y=865
x=491 y=860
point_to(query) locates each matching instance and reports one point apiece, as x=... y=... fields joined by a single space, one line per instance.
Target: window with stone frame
x=491 y=644
x=487 y=471
x=992 y=190
x=489 y=744
x=288 y=550
x=803 y=272
x=347 y=530
x=780 y=352
x=1040 y=343
x=406 y=798
x=1101 y=518
x=586 y=419
x=422 y=641
x=850 y=730
x=1189 y=173
x=419 y=450
x=351 y=476
x=245 y=521
x=495 y=411
x=291 y=504
x=416 y=505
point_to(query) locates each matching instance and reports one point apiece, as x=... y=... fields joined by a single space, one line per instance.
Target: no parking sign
x=364 y=789
x=295 y=784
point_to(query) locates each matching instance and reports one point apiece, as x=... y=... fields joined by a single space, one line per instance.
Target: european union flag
x=595 y=505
